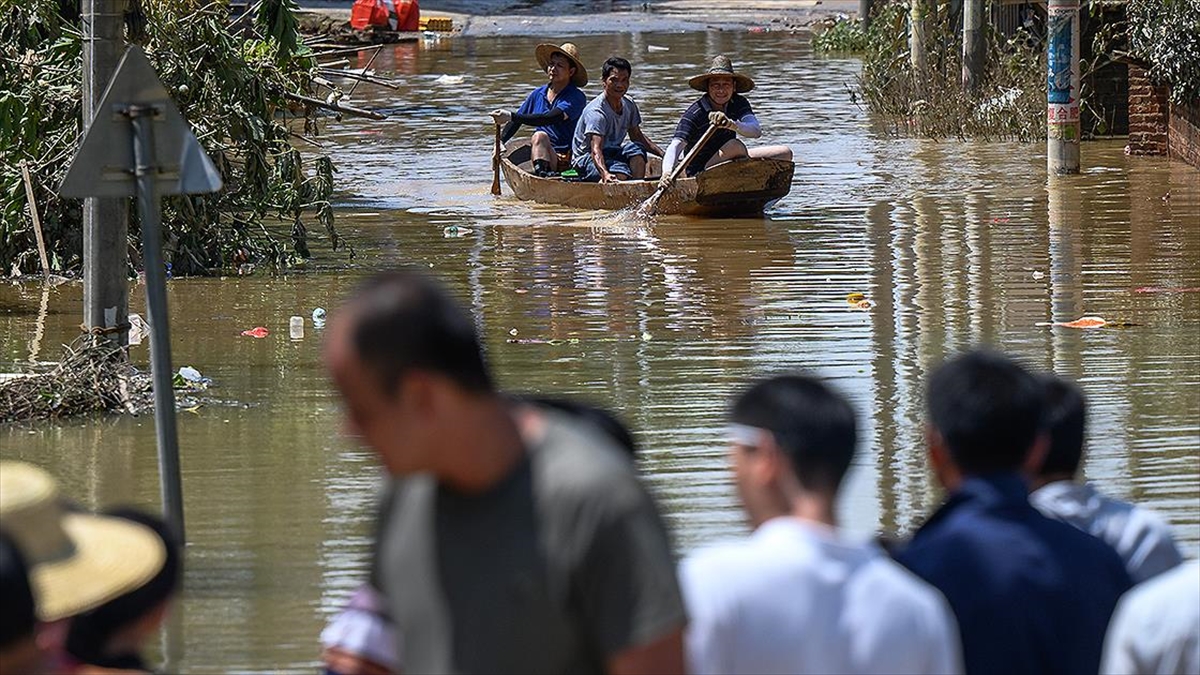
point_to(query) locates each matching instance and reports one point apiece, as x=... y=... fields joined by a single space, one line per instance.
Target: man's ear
x=944 y=469
x=771 y=461
x=1032 y=466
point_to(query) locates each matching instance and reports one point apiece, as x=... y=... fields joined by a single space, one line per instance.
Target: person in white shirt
x=1140 y=536
x=798 y=595
x=1156 y=627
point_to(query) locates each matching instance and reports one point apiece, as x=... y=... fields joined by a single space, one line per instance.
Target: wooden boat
x=737 y=188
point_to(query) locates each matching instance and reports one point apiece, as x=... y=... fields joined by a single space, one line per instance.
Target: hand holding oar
x=647 y=208
x=496 y=164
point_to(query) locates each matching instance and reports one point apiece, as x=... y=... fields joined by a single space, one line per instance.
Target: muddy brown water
x=953 y=243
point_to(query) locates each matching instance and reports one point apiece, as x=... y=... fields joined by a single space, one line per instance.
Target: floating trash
x=318 y=317
x=256 y=332
x=656 y=48
x=190 y=378
x=1081 y=322
x=453 y=231
x=450 y=79
x=296 y=328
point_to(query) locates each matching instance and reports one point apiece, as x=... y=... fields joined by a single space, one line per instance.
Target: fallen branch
x=349 y=110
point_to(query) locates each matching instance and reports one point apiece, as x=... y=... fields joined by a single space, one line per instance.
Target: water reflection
x=955 y=244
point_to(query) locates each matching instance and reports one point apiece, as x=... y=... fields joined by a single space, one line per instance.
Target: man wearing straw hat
x=78 y=561
x=553 y=108
x=724 y=107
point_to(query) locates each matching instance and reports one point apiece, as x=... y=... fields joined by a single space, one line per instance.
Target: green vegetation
x=229 y=79
x=1165 y=34
x=1011 y=100
x=843 y=36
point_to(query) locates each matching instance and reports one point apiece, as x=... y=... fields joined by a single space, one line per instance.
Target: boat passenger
x=600 y=152
x=554 y=108
x=723 y=106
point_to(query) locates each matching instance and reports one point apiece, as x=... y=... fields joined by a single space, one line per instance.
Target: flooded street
x=954 y=244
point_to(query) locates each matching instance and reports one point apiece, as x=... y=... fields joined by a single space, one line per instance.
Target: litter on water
x=452 y=231
x=656 y=48
x=256 y=332
x=1081 y=322
x=318 y=317
x=450 y=79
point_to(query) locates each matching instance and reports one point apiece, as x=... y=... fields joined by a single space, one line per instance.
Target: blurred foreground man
x=511 y=540
x=1156 y=628
x=1031 y=595
x=798 y=596
x=1140 y=536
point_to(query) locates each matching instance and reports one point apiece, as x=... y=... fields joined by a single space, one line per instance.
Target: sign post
x=139 y=145
x=1062 y=91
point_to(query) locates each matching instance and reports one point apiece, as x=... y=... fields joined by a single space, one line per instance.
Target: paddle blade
x=651 y=204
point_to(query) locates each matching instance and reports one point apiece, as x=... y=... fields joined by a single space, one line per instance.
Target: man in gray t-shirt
x=511 y=539
x=598 y=150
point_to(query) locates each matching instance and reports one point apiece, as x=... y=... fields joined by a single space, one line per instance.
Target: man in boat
x=800 y=595
x=724 y=107
x=599 y=150
x=553 y=108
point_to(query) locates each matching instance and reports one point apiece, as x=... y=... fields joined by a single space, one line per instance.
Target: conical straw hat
x=78 y=561
x=567 y=49
x=722 y=66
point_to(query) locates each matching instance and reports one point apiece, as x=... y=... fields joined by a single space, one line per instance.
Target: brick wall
x=1148 y=115
x=1183 y=138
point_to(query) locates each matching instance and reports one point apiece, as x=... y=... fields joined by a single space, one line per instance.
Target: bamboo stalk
x=37 y=220
x=363 y=78
x=349 y=110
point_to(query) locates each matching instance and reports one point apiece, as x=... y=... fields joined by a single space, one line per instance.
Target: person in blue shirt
x=724 y=107
x=553 y=108
x=1031 y=594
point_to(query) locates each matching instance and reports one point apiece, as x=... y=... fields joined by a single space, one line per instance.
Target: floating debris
x=450 y=79
x=1081 y=322
x=256 y=332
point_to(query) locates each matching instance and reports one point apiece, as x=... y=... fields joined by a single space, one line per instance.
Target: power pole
x=1062 y=91
x=864 y=13
x=972 y=45
x=105 y=220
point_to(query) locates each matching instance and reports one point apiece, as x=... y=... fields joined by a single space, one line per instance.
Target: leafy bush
x=228 y=80
x=843 y=36
x=1166 y=34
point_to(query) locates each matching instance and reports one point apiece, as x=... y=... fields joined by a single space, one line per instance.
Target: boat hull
x=738 y=188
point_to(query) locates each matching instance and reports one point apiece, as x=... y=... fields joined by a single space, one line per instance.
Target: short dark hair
x=1066 y=417
x=404 y=319
x=987 y=408
x=615 y=63
x=17 y=615
x=813 y=425
x=595 y=415
x=90 y=631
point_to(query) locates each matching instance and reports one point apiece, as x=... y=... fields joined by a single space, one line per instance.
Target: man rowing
x=600 y=152
x=724 y=107
x=554 y=108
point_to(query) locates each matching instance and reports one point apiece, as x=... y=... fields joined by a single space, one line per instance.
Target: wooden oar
x=647 y=208
x=496 y=164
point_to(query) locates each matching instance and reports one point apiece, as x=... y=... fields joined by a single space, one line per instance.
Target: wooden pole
x=972 y=46
x=1062 y=91
x=105 y=221
x=31 y=197
x=496 y=164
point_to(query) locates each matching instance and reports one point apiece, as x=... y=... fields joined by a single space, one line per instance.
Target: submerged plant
x=229 y=79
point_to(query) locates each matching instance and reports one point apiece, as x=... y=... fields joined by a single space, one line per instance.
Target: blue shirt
x=1031 y=594
x=694 y=123
x=570 y=100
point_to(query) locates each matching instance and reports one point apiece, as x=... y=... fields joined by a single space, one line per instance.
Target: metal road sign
x=104 y=165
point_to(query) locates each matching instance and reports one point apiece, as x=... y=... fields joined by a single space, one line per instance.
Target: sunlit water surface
x=954 y=244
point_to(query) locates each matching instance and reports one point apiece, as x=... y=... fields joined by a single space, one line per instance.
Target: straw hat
x=77 y=561
x=567 y=49
x=721 y=65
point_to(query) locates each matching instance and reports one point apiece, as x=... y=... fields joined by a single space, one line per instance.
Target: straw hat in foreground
x=77 y=561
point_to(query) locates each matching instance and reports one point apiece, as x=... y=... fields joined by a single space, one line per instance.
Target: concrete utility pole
x=864 y=13
x=973 y=45
x=1062 y=91
x=105 y=220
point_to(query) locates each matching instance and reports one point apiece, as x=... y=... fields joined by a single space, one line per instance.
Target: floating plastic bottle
x=318 y=317
x=296 y=328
